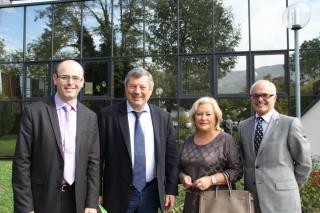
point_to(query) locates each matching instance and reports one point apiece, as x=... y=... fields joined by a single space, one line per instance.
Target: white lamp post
x=295 y=17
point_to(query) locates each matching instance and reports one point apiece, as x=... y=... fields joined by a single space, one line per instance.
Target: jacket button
x=257 y=167
x=254 y=183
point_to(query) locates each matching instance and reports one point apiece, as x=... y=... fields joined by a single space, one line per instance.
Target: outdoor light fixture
x=295 y=17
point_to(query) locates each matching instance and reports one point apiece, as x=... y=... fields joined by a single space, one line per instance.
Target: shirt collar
x=60 y=103
x=266 y=117
x=130 y=108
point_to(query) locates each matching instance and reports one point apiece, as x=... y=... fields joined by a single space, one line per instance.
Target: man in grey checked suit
x=280 y=163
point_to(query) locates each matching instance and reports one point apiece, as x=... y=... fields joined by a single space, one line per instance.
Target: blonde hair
x=216 y=110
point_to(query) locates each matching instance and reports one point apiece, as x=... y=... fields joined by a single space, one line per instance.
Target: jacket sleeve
x=21 y=181
x=300 y=152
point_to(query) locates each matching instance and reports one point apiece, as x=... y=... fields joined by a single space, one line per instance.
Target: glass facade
x=193 y=48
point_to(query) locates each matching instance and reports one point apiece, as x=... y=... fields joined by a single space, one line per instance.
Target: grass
x=7 y=145
x=6 y=200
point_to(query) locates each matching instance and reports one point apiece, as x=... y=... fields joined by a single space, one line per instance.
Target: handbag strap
x=226 y=177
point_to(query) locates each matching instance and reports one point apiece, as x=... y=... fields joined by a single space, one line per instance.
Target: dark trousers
x=146 y=201
x=68 y=202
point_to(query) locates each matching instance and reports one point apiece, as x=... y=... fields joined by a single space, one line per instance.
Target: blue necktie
x=258 y=134
x=139 y=168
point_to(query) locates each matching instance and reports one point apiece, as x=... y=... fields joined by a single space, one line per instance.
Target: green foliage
x=7 y=119
x=6 y=199
x=7 y=145
x=310 y=193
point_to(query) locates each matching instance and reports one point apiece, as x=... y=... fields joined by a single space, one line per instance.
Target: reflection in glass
x=232 y=78
x=196 y=78
x=9 y=123
x=37 y=80
x=97 y=32
x=309 y=72
x=38 y=32
x=161 y=27
x=128 y=27
x=95 y=105
x=96 y=79
x=239 y=12
x=226 y=32
x=236 y=110
x=195 y=26
x=120 y=69
x=11 y=34
x=67 y=30
x=164 y=72
x=270 y=67
x=267 y=29
x=10 y=81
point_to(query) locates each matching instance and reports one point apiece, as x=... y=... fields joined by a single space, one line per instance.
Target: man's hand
x=90 y=210
x=169 y=202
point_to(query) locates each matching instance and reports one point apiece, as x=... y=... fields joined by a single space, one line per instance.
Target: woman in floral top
x=207 y=155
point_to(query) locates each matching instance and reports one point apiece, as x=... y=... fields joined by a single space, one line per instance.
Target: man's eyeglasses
x=263 y=96
x=67 y=78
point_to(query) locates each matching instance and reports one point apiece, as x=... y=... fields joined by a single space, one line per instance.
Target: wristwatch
x=213 y=180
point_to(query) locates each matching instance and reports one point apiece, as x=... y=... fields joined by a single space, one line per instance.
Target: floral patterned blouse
x=220 y=155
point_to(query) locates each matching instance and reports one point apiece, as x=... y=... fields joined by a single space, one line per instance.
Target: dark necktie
x=139 y=168
x=258 y=134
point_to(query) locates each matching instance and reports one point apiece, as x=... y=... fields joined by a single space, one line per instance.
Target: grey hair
x=216 y=110
x=139 y=72
x=271 y=85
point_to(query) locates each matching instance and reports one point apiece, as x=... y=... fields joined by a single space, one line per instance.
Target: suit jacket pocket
x=287 y=185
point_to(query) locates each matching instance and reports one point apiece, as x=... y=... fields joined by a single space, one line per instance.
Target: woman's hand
x=186 y=181
x=203 y=183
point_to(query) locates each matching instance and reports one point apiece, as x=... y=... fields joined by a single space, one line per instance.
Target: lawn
x=7 y=145
x=5 y=187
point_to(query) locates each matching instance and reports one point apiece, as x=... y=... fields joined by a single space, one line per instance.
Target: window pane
x=9 y=123
x=270 y=67
x=161 y=27
x=196 y=78
x=96 y=78
x=11 y=34
x=185 y=128
x=239 y=11
x=67 y=30
x=120 y=69
x=267 y=29
x=232 y=74
x=97 y=32
x=38 y=32
x=309 y=72
x=128 y=27
x=195 y=26
x=226 y=31
x=164 y=72
x=10 y=81
x=95 y=105
x=37 y=80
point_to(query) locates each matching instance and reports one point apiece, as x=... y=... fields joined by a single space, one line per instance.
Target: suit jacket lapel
x=155 y=123
x=250 y=134
x=52 y=112
x=80 y=128
x=124 y=126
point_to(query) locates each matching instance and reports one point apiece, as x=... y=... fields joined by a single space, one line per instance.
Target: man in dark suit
x=56 y=162
x=130 y=184
x=276 y=152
